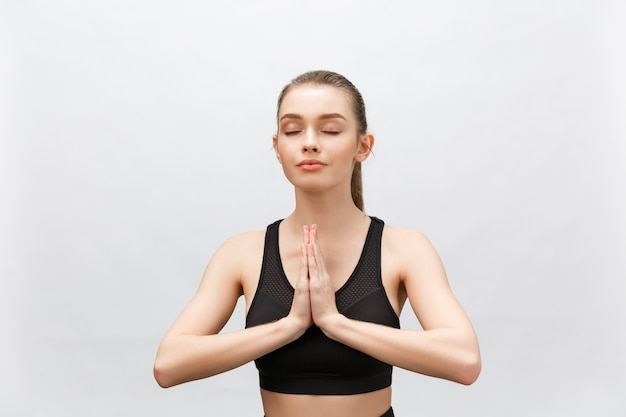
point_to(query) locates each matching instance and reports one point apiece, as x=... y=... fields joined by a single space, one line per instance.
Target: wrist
x=332 y=324
x=293 y=327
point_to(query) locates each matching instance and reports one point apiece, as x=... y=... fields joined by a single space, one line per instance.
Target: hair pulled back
x=336 y=80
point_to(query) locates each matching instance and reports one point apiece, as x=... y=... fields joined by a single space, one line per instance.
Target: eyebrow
x=323 y=116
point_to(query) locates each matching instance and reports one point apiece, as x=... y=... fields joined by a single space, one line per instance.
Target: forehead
x=313 y=99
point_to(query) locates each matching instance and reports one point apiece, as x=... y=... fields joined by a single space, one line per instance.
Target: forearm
x=183 y=358
x=447 y=353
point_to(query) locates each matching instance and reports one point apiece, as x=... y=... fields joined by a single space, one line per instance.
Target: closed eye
x=330 y=132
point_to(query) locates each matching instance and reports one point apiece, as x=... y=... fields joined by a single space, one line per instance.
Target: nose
x=310 y=143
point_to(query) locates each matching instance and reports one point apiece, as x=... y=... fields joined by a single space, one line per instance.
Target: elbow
x=163 y=374
x=469 y=370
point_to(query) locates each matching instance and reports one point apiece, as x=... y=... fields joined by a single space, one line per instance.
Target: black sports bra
x=315 y=364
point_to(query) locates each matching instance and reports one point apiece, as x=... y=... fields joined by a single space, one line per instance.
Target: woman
x=325 y=286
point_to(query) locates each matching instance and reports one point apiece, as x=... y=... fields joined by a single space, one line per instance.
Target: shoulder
x=243 y=241
x=240 y=249
x=236 y=258
x=242 y=254
x=402 y=239
x=408 y=248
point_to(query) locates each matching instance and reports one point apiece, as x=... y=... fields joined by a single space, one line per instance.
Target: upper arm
x=218 y=292
x=427 y=287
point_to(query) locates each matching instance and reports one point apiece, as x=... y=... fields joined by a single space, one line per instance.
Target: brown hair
x=358 y=105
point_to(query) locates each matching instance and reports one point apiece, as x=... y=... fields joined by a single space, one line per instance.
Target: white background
x=135 y=138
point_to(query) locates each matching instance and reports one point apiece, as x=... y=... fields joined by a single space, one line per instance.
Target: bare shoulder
x=415 y=258
x=398 y=234
x=242 y=243
x=238 y=260
x=409 y=263
x=240 y=252
x=407 y=244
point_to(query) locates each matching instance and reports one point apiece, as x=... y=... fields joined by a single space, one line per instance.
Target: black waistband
x=388 y=413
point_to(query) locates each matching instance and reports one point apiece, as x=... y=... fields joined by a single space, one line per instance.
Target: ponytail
x=356 y=186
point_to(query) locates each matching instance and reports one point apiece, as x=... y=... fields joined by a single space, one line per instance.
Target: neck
x=332 y=212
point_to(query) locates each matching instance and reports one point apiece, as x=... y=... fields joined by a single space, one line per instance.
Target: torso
x=340 y=260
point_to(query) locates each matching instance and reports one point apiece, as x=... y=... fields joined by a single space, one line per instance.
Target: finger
x=311 y=261
x=304 y=262
x=306 y=233
x=313 y=239
x=313 y=233
x=317 y=252
x=316 y=281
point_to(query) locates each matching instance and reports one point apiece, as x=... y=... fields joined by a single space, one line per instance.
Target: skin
x=320 y=244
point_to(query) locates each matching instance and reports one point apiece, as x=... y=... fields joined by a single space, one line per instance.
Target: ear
x=364 y=147
x=275 y=146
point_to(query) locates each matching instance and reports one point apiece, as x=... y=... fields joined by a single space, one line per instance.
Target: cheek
x=279 y=148
x=348 y=150
x=286 y=152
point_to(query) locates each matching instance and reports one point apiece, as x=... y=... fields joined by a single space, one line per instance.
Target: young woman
x=325 y=286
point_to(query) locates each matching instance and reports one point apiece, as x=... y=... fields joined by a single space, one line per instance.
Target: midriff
x=369 y=404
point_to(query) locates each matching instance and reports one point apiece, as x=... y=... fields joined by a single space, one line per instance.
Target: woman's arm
x=446 y=348
x=193 y=348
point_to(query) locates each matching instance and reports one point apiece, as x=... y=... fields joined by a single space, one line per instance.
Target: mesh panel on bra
x=273 y=281
x=366 y=275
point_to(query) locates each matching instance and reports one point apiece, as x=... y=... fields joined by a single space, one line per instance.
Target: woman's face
x=317 y=141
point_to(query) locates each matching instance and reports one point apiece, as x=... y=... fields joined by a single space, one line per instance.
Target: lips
x=311 y=165
x=310 y=162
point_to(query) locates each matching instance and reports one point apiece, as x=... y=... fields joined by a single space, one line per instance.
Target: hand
x=301 y=305
x=322 y=295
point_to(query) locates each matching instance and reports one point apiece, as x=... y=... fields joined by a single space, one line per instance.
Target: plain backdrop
x=136 y=137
